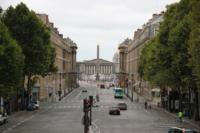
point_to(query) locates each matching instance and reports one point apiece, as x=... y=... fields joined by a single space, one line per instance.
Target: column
x=95 y=70
x=89 y=69
x=92 y=69
x=109 y=70
x=103 y=69
x=106 y=69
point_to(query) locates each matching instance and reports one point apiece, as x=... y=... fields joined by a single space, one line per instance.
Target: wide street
x=65 y=116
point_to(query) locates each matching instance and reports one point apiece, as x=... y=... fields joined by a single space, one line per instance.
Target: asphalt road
x=65 y=116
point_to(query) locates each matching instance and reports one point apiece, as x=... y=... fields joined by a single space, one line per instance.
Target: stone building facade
x=64 y=80
x=123 y=65
x=130 y=51
x=116 y=62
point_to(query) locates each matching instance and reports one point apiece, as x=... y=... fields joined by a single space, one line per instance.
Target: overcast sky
x=92 y=22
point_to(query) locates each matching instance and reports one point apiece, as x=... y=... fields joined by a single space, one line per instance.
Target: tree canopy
x=34 y=38
x=11 y=63
x=167 y=56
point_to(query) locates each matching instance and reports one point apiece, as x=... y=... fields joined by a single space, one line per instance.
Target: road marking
x=96 y=127
x=78 y=95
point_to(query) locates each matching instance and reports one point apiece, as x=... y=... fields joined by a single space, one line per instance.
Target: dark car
x=111 y=85
x=181 y=130
x=84 y=90
x=102 y=86
x=122 y=106
x=114 y=111
x=31 y=107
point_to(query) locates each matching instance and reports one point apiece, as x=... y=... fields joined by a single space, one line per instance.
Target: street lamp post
x=132 y=86
x=60 y=91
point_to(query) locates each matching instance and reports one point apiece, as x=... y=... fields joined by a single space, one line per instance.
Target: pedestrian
x=145 y=104
x=137 y=100
x=180 y=116
x=97 y=97
x=149 y=106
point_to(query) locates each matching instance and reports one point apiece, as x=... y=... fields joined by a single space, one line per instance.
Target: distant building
x=88 y=69
x=116 y=62
x=96 y=69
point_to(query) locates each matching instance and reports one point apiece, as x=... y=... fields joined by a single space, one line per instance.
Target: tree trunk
x=190 y=106
x=23 y=93
x=28 y=89
x=196 y=104
x=180 y=99
x=163 y=97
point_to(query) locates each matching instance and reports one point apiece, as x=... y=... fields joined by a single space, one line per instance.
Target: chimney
x=137 y=33
x=155 y=15
x=52 y=25
x=61 y=35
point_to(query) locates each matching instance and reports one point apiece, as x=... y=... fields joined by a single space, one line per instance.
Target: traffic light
x=91 y=101
x=85 y=105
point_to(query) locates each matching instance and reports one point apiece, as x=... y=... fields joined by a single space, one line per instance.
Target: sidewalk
x=193 y=123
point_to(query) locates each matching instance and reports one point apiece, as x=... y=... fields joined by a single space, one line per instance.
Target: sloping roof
x=101 y=61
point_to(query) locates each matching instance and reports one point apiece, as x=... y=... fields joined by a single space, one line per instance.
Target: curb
x=171 y=114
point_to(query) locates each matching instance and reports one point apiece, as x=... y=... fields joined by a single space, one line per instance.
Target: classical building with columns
x=130 y=51
x=56 y=85
x=88 y=69
x=96 y=69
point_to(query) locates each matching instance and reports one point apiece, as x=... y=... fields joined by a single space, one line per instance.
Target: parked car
x=37 y=104
x=181 y=130
x=3 y=118
x=114 y=111
x=122 y=106
x=31 y=107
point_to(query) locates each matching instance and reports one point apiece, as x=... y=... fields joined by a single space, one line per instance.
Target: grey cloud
x=88 y=22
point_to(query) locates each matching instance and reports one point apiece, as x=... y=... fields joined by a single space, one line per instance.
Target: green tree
x=11 y=64
x=169 y=62
x=1 y=10
x=34 y=38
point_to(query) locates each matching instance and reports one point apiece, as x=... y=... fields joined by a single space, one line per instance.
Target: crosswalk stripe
x=101 y=107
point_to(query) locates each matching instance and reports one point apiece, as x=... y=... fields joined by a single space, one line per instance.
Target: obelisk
x=97 y=64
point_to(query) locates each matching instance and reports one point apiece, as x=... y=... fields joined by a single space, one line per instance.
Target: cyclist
x=180 y=116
